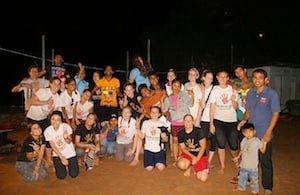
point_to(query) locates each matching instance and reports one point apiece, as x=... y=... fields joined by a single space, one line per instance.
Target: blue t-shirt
x=262 y=106
x=135 y=73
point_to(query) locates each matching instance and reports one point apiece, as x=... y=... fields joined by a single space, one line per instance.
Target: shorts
x=201 y=165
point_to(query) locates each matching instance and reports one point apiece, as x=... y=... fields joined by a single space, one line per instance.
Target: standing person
x=64 y=156
x=242 y=83
x=30 y=160
x=192 y=141
x=223 y=120
x=171 y=75
x=42 y=103
x=139 y=74
x=69 y=98
x=193 y=85
x=110 y=90
x=263 y=109
x=206 y=88
x=87 y=141
x=250 y=147
x=96 y=95
x=177 y=106
x=81 y=83
x=30 y=85
x=155 y=138
x=56 y=69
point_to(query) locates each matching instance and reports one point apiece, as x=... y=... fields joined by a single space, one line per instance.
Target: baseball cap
x=113 y=116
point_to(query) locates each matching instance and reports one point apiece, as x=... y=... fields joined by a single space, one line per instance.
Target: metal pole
x=127 y=64
x=148 y=51
x=43 y=52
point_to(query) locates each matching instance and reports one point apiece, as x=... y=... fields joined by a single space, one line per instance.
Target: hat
x=113 y=116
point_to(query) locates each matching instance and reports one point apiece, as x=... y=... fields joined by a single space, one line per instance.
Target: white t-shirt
x=41 y=112
x=126 y=130
x=82 y=110
x=69 y=101
x=224 y=110
x=197 y=97
x=67 y=150
x=152 y=135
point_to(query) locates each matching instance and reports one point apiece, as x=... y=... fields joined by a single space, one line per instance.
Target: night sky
x=182 y=33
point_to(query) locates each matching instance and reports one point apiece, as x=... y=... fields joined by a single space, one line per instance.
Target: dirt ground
x=111 y=177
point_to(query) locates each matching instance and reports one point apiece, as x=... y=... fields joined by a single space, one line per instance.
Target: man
x=262 y=109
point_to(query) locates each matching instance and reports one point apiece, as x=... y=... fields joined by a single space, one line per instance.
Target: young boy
x=249 y=153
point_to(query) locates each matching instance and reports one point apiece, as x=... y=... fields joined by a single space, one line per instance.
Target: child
x=108 y=135
x=250 y=147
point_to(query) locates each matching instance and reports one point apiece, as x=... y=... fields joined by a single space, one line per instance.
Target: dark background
x=207 y=34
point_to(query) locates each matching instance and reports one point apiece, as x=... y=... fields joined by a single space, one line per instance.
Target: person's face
x=176 y=87
x=58 y=60
x=55 y=85
x=113 y=122
x=86 y=95
x=239 y=72
x=208 y=79
x=222 y=78
x=55 y=121
x=145 y=92
x=153 y=79
x=192 y=75
x=188 y=122
x=171 y=76
x=33 y=73
x=71 y=86
x=36 y=130
x=126 y=113
x=108 y=70
x=90 y=120
x=154 y=113
x=129 y=91
x=96 y=77
x=259 y=79
x=249 y=133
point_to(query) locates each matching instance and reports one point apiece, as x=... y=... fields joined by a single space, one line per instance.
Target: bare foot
x=174 y=164
x=187 y=173
x=134 y=162
x=221 y=171
x=237 y=189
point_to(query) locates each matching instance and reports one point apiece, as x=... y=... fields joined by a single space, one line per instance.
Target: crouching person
x=30 y=160
x=192 y=142
x=64 y=156
x=87 y=141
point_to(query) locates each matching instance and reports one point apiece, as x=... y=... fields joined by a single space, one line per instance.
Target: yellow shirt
x=108 y=91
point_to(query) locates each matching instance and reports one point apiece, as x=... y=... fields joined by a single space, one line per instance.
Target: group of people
x=74 y=123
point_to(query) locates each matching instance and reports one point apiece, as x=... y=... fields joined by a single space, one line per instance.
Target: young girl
x=64 y=156
x=155 y=137
x=177 y=105
x=30 y=161
x=125 y=138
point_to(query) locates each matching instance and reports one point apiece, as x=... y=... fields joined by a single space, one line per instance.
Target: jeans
x=106 y=147
x=244 y=175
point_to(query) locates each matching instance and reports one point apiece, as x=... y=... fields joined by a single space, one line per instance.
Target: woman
x=87 y=141
x=64 y=156
x=30 y=161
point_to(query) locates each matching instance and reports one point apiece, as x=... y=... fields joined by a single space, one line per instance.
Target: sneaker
x=268 y=192
x=234 y=180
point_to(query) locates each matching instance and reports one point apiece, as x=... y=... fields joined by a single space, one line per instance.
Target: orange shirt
x=152 y=100
x=108 y=91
